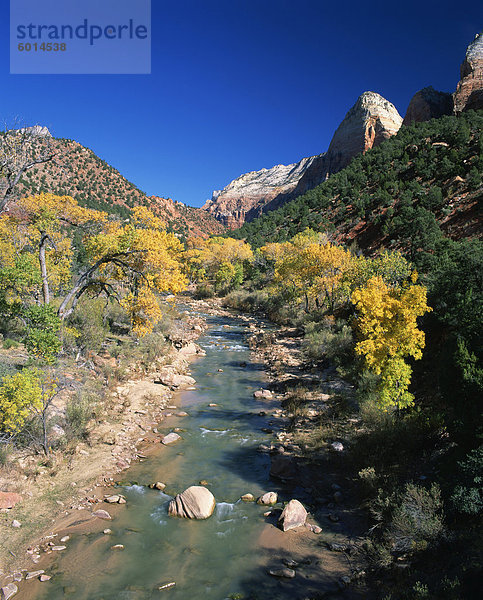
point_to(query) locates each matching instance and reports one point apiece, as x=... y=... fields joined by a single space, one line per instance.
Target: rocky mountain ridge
x=78 y=172
x=247 y=194
x=469 y=92
x=368 y=123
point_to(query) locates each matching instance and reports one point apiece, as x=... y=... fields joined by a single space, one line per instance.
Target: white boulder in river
x=293 y=515
x=196 y=502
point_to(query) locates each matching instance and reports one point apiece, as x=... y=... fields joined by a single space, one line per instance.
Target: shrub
x=5 y=451
x=8 y=343
x=417 y=520
x=331 y=342
x=204 y=290
x=467 y=497
x=88 y=321
x=81 y=409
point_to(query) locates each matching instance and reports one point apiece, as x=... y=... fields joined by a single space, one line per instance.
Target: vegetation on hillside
x=76 y=171
x=401 y=320
x=423 y=183
x=405 y=328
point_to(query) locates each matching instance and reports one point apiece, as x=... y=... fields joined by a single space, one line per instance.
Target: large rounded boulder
x=196 y=502
x=293 y=515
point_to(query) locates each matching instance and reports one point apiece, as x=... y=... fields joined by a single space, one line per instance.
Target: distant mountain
x=424 y=182
x=80 y=173
x=244 y=198
x=469 y=93
x=369 y=122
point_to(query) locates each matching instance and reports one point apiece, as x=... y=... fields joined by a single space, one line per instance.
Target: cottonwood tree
x=218 y=259
x=388 y=331
x=53 y=251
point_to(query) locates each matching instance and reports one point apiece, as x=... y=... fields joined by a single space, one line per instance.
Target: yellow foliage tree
x=314 y=270
x=216 y=258
x=387 y=324
x=20 y=395
x=131 y=261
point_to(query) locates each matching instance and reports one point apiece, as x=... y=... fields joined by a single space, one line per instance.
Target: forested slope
x=422 y=183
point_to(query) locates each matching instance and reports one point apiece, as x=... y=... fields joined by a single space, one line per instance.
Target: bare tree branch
x=20 y=150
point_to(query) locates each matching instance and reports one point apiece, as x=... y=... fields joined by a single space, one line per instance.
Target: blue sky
x=240 y=85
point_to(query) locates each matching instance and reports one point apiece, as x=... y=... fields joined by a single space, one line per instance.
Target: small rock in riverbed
x=263 y=394
x=43 y=578
x=117 y=547
x=268 y=498
x=102 y=514
x=16 y=523
x=34 y=574
x=170 y=438
x=286 y=573
x=64 y=539
x=107 y=531
x=212 y=404
x=182 y=414
x=8 y=591
x=248 y=498
x=196 y=502
x=58 y=548
x=159 y=485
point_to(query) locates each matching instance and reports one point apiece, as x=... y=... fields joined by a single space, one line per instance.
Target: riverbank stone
x=285 y=573
x=8 y=591
x=293 y=515
x=196 y=502
x=170 y=438
x=263 y=394
x=102 y=514
x=268 y=498
x=9 y=499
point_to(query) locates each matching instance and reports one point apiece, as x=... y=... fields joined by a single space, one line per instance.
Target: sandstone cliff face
x=428 y=104
x=368 y=123
x=244 y=198
x=469 y=93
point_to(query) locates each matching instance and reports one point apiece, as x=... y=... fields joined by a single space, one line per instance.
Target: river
x=221 y=557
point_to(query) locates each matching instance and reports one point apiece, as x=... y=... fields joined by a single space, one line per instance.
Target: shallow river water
x=217 y=558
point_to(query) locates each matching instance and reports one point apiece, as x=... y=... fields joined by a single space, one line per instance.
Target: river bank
x=285 y=464
x=63 y=484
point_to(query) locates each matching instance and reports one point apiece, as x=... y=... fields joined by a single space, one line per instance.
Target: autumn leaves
x=53 y=252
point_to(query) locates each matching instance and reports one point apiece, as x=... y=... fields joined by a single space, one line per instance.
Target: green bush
x=8 y=343
x=417 y=520
x=88 y=321
x=327 y=341
x=467 y=497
